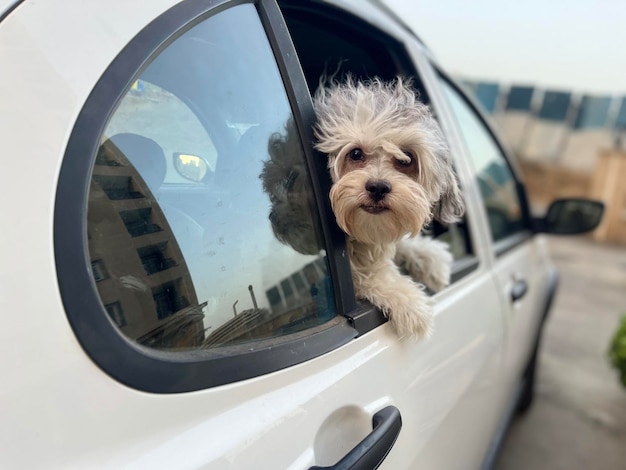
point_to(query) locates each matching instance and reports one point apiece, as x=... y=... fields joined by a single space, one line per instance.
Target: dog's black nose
x=378 y=189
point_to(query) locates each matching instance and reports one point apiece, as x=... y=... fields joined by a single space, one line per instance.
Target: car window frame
x=329 y=16
x=158 y=371
x=508 y=243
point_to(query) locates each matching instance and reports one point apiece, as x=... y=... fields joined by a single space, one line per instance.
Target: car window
x=344 y=47
x=201 y=220
x=153 y=112
x=494 y=177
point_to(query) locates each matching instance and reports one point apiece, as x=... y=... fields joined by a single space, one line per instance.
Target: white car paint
x=59 y=410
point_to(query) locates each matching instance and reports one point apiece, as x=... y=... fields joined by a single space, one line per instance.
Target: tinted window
x=495 y=179
x=519 y=98
x=555 y=105
x=201 y=217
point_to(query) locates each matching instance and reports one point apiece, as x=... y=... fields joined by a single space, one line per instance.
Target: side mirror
x=571 y=216
x=191 y=167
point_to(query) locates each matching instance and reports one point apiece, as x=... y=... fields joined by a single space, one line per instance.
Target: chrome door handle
x=371 y=451
x=519 y=289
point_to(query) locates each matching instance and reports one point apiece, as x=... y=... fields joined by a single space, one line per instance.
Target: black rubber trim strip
x=139 y=367
x=366 y=317
x=10 y=10
x=304 y=116
x=509 y=243
x=462 y=267
x=553 y=284
x=553 y=287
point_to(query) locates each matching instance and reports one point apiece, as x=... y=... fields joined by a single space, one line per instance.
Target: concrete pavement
x=578 y=419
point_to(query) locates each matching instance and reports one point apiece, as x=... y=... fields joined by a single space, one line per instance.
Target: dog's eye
x=356 y=154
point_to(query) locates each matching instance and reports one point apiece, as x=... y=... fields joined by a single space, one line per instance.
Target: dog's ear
x=450 y=206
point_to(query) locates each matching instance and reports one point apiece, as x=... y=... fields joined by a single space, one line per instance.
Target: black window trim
x=500 y=247
x=463 y=266
x=304 y=117
x=161 y=371
x=10 y=9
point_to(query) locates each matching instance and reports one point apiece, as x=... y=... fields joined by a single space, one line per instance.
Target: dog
x=392 y=174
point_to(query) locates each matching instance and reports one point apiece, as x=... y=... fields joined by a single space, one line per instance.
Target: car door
x=209 y=331
x=524 y=278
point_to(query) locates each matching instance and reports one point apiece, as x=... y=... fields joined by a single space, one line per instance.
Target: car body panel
x=60 y=410
x=526 y=262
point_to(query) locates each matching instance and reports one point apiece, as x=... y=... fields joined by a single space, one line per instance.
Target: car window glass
x=494 y=177
x=201 y=223
x=155 y=113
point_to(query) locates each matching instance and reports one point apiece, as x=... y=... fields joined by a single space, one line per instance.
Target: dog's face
x=387 y=158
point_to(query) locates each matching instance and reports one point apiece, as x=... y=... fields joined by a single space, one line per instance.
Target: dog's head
x=388 y=160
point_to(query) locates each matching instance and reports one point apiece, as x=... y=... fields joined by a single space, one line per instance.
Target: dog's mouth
x=374 y=208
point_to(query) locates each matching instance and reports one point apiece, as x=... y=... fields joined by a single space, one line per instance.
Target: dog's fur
x=391 y=175
x=399 y=178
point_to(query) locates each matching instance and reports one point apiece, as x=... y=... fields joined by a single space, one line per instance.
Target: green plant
x=617 y=350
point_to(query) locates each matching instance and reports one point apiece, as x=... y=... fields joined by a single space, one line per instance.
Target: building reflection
x=139 y=270
x=145 y=283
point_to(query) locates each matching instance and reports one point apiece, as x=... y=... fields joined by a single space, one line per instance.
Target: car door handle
x=519 y=289
x=371 y=451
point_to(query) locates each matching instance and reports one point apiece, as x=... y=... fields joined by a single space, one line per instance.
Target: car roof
x=354 y=6
x=391 y=13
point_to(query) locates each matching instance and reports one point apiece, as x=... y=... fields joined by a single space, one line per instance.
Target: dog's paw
x=437 y=276
x=402 y=301
x=426 y=260
x=413 y=323
x=410 y=310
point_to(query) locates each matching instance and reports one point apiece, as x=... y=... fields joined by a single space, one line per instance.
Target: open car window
x=343 y=47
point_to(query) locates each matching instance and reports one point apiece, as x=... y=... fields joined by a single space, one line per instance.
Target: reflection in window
x=494 y=177
x=225 y=255
x=99 y=270
x=116 y=313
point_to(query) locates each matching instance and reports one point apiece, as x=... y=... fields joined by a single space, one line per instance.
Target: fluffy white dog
x=391 y=175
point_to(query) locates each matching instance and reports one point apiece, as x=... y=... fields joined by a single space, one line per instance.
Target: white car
x=151 y=317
